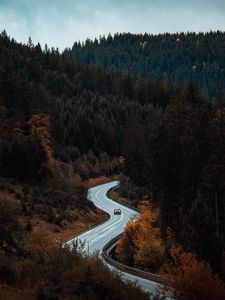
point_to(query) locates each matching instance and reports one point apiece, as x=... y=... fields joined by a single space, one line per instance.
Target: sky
x=59 y=23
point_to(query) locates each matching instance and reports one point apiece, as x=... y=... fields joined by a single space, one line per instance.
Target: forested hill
x=88 y=106
x=62 y=121
x=180 y=57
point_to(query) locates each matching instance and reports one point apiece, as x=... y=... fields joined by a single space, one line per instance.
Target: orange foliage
x=41 y=138
x=39 y=241
x=148 y=242
x=125 y=248
x=142 y=240
x=189 y=278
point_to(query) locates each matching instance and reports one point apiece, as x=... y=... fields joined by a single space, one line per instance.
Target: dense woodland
x=180 y=57
x=185 y=276
x=179 y=156
x=62 y=121
x=88 y=107
x=56 y=129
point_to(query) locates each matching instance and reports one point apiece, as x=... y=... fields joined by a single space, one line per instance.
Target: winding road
x=95 y=239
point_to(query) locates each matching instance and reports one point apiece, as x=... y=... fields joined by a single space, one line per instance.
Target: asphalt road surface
x=95 y=239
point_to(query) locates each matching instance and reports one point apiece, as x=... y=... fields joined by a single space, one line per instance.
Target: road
x=96 y=238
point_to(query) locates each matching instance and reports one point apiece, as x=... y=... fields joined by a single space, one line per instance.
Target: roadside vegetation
x=143 y=246
x=33 y=264
x=45 y=271
x=63 y=123
x=182 y=57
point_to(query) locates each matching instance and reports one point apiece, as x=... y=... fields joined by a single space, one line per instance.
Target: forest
x=65 y=118
x=179 y=156
x=179 y=57
x=88 y=106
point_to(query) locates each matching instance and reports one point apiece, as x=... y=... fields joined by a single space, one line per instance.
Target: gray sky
x=61 y=22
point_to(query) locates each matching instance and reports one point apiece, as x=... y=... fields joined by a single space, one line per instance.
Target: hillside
x=64 y=121
x=180 y=57
x=88 y=106
x=56 y=133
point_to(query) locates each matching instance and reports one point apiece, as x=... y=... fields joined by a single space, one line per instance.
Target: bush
x=189 y=278
x=9 y=219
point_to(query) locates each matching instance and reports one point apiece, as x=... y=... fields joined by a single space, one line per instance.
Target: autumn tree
x=125 y=248
x=142 y=240
x=40 y=135
x=188 y=278
x=148 y=242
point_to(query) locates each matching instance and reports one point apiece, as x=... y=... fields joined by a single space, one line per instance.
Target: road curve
x=99 y=236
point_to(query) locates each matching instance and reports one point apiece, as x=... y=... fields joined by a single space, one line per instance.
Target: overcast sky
x=61 y=22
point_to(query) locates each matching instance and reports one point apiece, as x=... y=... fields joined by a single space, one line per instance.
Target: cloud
x=60 y=23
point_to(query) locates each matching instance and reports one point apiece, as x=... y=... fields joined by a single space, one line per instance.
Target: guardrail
x=111 y=244
x=134 y=271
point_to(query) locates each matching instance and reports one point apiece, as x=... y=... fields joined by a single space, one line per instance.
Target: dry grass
x=99 y=180
x=84 y=221
x=115 y=196
x=9 y=293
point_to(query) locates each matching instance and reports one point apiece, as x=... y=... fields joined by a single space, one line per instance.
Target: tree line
x=179 y=156
x=63 y=120
x=71 y=108
x=184 y=275
x=180 y=57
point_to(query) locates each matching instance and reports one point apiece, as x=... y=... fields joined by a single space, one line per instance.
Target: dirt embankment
x=84 y=219
x=35 y=212
x=116 y=196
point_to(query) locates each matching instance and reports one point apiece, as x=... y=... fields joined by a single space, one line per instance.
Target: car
x=117 y=211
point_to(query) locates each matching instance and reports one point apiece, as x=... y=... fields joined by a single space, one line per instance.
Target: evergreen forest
x=154 y=102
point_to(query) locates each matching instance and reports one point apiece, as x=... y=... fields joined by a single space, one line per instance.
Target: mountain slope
x=180 y=57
